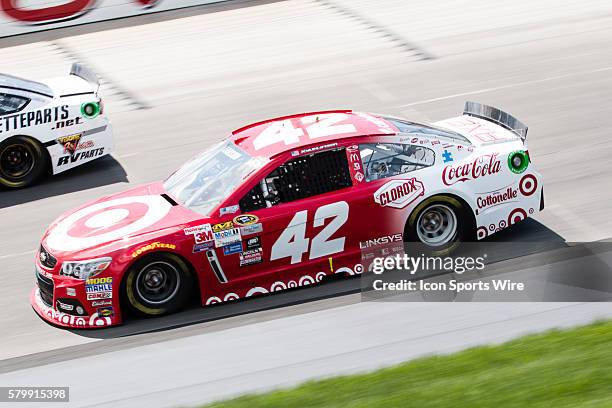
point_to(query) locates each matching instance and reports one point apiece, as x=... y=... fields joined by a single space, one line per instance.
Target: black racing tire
x=439 y=225
x=23 y=161
x=157 y=284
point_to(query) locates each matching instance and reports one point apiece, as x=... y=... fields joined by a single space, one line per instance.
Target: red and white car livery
x=284 y=203
x=50 y=126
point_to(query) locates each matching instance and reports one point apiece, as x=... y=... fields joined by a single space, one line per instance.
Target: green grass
x=560 y=368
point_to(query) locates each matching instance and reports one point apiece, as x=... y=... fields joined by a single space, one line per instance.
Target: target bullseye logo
x=482 y=232
x=528 y=185
x=516 y=215
x=106 y=218
x=107 y=221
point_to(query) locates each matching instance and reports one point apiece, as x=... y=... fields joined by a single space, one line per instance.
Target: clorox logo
x=399 y=193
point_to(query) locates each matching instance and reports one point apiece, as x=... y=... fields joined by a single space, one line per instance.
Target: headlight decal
x=84 y=269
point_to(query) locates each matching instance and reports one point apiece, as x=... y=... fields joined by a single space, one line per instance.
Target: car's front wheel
x=439 y=223
x=22 y=162
x=158 y=284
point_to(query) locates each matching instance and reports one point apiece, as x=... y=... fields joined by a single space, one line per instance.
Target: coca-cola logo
x=53 y=14
x=482 y=166
x=399 y=193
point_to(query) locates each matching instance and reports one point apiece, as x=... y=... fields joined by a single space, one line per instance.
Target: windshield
x=203 y=182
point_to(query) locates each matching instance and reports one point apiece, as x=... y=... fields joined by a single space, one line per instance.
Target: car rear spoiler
x=85 y=73
x=496 y=116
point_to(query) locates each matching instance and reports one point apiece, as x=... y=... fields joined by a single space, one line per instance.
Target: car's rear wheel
x=22 y=162
x=440 y=224
x=158 y=284
x=437 y=225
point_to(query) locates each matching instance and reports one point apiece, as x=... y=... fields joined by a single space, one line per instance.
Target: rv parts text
x=412 y=264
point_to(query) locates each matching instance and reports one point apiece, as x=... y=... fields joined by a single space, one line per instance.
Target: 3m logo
x=399 y=193
x=46 y=15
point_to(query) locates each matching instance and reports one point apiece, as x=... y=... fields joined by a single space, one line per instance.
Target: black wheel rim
x=158 y=282
x=16 y=161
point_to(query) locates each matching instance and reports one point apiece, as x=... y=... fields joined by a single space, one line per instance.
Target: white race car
x=50 y=126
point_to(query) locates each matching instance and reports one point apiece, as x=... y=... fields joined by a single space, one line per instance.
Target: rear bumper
x=96 y=141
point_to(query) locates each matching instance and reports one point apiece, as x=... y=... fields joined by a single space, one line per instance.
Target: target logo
x=516 y=215
x=481 y=232
x=528 y=185
x=107 y=221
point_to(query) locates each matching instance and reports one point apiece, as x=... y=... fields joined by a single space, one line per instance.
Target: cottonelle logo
x=482 y=166
x=497 y=197
x=399 y=193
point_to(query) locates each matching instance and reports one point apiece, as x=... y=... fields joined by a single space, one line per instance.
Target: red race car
x=281 y=204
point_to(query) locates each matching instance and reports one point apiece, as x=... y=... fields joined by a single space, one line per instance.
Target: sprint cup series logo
x=399 y=193
x=481 y=166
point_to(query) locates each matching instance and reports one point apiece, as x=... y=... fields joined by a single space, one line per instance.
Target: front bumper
x=64 y=302
x=53 y=316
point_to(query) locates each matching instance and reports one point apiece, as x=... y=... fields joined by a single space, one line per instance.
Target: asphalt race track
x=176 y=82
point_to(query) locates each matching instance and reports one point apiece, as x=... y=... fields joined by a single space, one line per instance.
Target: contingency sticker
x=245 y=219
x=201 y=233
x=204 y=246
x=355 y=167
x=234 y=248
x=227 y=237
x=229 y=210
x=251 y=229
x=222 y=226
x=253 y=243
x=99 y=288
x=251 y=257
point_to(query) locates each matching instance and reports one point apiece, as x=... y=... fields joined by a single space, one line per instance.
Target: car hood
x=116 y=222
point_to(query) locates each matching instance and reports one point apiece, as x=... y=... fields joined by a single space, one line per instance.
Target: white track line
x=378 y=91
x=125 y=156
x=16 y=254
x=499 y=88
